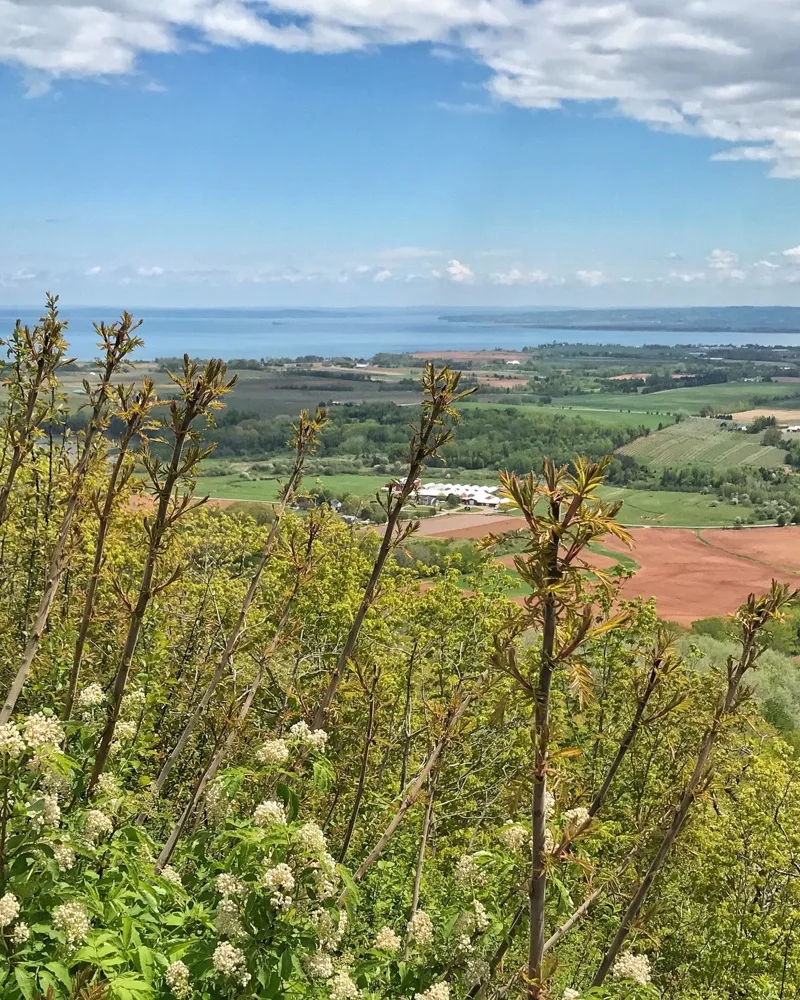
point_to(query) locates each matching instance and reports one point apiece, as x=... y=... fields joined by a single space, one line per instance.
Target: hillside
x=702 y=441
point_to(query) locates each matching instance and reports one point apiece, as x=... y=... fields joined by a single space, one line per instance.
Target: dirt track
x=691 y=574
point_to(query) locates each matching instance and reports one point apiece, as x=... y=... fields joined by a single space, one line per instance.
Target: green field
x=599 y=415
x=234 y=487
x=700 y=441
x=727 y=397
x=662 y=508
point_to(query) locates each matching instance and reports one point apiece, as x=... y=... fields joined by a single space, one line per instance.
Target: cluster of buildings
x=470 y=496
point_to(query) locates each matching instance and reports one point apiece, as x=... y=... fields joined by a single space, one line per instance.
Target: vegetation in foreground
x=256 y=761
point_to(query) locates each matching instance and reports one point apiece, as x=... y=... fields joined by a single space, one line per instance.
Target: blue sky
x=191 y=152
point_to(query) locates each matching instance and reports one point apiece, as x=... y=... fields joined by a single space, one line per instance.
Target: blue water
x=262 y=333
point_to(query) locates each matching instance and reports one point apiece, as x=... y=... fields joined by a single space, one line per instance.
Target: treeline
x=377 y=434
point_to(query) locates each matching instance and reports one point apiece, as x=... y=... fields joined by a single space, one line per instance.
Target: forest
x=277 y=759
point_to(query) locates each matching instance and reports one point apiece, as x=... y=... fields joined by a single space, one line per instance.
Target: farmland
x=702 y=441
x=239 y=487
x=725 y=397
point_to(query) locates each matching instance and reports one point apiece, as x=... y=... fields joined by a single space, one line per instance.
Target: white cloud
x=766 y=265
x=722 y=69
x=722 y=260
x=407 y=253
x=149 y=272
x=92 y=271
x=381 y=276
x=687 y=277
x=792 y=255
x=460 y=273
x=466 y=108
x=591 y=278
x=517 y=277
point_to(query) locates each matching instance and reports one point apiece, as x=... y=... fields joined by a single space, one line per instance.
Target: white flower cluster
x=468 y=874
x=420 y=929
x=54 y=783
x=40 y=731
x=217 y=803
x=97 y=824
x=11 y=742
x=133 y=701
x=481 y=918
x=387 y=940
x=106 y=786
x=476 y=969
x=177 y=979
x=570 y=994
x=301 y=733
x=329 y=931
x=228 y=885
x=64 y=857
x=280 y=882
x=310 y=839
x=228 y=920
x=342 y=987
x=230 y=961
x=439 y=991
x=633 y=967
x=463 y=945
x=172 y=875
x=49 y=812
x=549 y=804
x=273 y=752
x=269 y=812
x=125 y=731
x=21 y=933
x=574 y=820
x=9 y=909
x=90 y=697
x=325 y=877
x=73 y=920
x=319 y=965
x=514 y=837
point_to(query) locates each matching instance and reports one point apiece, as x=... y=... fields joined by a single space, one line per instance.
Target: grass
x=598 y=415
x=234 y=487
x=624 y=560
x=659 y=508
x=702 y=442
x=727 y=397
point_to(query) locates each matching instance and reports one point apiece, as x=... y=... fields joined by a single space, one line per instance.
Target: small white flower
x=269 y=812
x=387 y=940
x=280 y=882
x=420 y=929
x=230 y=961
x=273 y=752
x=329 y=930
x=11 y=743
x=125 y=731
x=73 y=920
x=177 y=979
x=132 y=702
x=514 y=837
x=172 y=875
x=40 y=731
x=49 y=813
x=228 y=885
x=468 y=874
x=64 y=857
x=228 y=920
x=342 y=987
x=481 y=919
x=319 y=965
x=217 y=803
x=439 y=991
x=21 y=932
x=90 y=697
x=310 y=839
x=476 y=969
x=97 y=824
x=633 y=967
x=574 y=820
x=9 y=909
x=570 y=994
x=106 y=785
x=301 y=733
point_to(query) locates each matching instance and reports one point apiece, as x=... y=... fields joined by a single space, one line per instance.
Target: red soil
x=691 y=574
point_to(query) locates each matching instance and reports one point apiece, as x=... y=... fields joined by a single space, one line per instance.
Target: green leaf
x=25 y=982
x=61 y=972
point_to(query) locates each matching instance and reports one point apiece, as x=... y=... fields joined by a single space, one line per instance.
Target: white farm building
x=472 y=496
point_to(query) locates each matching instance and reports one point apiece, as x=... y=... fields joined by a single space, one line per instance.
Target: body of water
x=265 y=333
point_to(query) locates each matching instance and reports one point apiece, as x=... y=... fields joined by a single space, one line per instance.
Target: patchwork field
x=234 y=487
x=701 y=441
x=726 y=397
